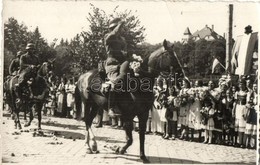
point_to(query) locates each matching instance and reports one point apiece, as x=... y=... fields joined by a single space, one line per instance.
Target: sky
x=162 y=19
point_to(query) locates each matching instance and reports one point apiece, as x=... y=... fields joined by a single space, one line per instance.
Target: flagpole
x=222 y=65
x=229 y=38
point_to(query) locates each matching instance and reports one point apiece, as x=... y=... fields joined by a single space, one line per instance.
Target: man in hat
x=116 y=65
x=15 y=64
x=248 y=29
x=29 y=59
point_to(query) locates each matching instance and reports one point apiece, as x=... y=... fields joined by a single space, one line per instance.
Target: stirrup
x=106 y=87
x=111 y=113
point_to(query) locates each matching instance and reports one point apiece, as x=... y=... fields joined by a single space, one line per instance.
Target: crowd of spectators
x=223 y=112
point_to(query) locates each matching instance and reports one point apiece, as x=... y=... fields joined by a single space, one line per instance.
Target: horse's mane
x=147 y=59
x=42 y=70
x=157 y=52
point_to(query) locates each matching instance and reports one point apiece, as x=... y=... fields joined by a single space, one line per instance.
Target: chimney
x=212 y=27
x=206 y=26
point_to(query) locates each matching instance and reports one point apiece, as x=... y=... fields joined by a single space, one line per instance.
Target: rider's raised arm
x=114 y=32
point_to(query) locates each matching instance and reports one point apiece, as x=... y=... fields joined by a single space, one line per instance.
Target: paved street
x=67 y=147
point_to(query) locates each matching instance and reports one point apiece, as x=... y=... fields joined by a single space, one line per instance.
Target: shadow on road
x=167 y=160
x=69 y=126
x=71 y=135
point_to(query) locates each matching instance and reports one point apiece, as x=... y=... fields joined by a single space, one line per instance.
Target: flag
x=215 y=63
x=234 y=63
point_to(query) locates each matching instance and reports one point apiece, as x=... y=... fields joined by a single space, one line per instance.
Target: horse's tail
x=78 y=103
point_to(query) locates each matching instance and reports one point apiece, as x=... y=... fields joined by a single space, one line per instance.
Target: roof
x=187 y=31
x=206 y=31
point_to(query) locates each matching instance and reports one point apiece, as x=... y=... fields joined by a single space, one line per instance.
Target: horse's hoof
x=89 y=151
x=117 y=150
x=144 y=159
x=122 y=151
x=96 y=152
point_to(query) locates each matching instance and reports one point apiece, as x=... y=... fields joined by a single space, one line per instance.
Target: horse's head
x=164 y=60
x=46 y=67
x=30 y=72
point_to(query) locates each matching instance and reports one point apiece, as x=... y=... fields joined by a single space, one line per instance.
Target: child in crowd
x=207 y=112
x=184 y=108
x=172 y=113
x=229 y=121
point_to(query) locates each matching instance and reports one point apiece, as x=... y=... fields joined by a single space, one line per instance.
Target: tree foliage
x=16 y=37
x=193 y=54
x=87 y=48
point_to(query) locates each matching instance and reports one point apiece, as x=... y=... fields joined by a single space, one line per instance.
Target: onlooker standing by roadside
x=229 y=119
x=242 y=98
x=184 y=108
x=70 y=90
x=251 y=119
x=61 y=97
x=156 y=124
x=207 y=112
x=172 y=113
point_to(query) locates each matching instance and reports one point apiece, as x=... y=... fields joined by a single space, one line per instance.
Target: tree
x=193 y=54
x=43 y=50
x=16 y=37
x=88 y=46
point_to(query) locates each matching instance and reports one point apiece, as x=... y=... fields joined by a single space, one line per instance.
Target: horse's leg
x=18 y=119
x=90 y=112
x=38 y=107
x=25 y=106
x=128 y=126
x=30 y=117
x=14 y=116
x=142 y=128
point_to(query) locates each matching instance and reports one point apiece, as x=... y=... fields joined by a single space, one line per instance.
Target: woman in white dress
x=157 y=124
x=195 y=107
x=61 y=97
x=70 y=90
x=184 y=108
x=242 y=97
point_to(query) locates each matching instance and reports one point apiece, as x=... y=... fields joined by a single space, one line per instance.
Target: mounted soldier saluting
x=14 y=67
x=117 y=64
x=29 y=59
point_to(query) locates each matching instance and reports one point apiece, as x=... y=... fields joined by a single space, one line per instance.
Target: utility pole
x=229 y=39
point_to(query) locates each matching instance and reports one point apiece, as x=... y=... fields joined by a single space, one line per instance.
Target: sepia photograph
x=129 y=82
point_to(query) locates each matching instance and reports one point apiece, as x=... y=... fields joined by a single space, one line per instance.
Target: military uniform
x=15 y=64
x=26 y=61
x=116 y=65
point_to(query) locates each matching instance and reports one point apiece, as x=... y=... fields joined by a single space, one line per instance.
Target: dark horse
x=28 y=97
x=131 y=103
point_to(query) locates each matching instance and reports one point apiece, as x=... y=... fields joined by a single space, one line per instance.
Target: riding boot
x=18 y=91
x=111 y=104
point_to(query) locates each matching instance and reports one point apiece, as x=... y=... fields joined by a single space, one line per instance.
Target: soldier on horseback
x=117 y=64
x=15 y=64
x=29 y=59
